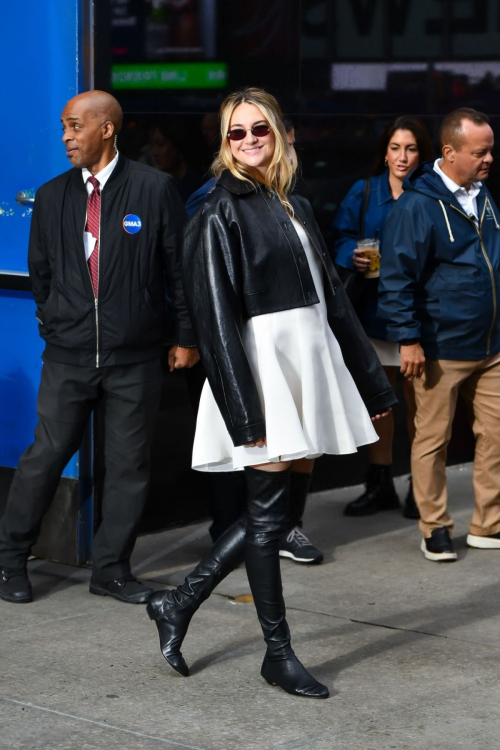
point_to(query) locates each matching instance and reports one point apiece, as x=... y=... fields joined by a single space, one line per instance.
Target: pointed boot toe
x=172 y=625
x=177 y=662
x=290 y=675
x=314 y=690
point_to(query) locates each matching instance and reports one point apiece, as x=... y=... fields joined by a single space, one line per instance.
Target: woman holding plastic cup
x=359 y=241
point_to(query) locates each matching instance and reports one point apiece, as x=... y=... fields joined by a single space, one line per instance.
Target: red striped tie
x=93 y=218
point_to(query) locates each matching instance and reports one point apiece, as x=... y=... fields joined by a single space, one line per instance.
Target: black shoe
x=296 y=546
x=15 y=586
x=439 y=547
x=380 y=493
x=173 y=610
x=410 y=509
x=126 y=589
x=266 y=523
x=290 y=675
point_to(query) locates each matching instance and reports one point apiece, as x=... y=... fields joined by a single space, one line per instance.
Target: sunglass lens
x=259 y=131
x=237 y=134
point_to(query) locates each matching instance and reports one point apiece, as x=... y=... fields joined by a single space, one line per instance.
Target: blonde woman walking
x=290 y=372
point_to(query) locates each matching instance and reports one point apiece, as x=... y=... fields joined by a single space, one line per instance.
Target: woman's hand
x=360 y=263
x=412 y=361
x=260 y=443
x=382 y=414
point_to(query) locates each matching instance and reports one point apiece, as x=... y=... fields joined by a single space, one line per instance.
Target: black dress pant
x=130 y=395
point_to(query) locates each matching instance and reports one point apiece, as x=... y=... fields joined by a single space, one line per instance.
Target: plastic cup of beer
x=371 y=251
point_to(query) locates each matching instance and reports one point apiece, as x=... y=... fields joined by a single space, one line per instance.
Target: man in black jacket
x=103 y=237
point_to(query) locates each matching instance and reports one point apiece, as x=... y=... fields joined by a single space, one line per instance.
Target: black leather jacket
x=242 y=257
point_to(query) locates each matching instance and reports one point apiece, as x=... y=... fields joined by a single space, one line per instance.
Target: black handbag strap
x=366 y=199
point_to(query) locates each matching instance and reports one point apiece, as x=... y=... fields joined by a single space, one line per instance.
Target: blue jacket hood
x=425 y=180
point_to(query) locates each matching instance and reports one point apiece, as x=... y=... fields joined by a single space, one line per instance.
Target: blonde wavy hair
x=281 y=172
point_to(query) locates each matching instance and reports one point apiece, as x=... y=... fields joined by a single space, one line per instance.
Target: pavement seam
x=375 y=624
x=99 y=723
x=57 y=619
x=394 y=627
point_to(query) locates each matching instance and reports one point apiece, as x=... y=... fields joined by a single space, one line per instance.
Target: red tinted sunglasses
x=258 y=131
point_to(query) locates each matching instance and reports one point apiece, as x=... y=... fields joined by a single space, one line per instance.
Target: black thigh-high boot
x=266 y=521
x=172 y=610
x=228 y=490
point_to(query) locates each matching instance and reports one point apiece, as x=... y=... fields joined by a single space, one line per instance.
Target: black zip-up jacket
x=242 y=257
x=125 y=323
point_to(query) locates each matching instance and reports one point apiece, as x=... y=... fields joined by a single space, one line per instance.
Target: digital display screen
x=203 y=75
x=163 y=30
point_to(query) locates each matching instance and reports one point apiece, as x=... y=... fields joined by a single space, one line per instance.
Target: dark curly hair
x=406 y=122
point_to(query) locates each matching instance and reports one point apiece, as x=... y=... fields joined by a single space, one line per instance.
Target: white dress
x=309 y=399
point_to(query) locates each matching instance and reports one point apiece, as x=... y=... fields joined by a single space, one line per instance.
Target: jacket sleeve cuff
x=398 y=335
x=184 y=336
x=381 y=403
x=248 y=434
x=409 y=342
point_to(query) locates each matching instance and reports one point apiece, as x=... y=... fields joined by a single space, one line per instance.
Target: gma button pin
x=132 y=224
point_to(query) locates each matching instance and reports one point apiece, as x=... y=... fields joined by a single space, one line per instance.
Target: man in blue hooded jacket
x=439 y=292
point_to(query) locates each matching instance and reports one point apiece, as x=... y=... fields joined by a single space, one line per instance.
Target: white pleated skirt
x=309 y=399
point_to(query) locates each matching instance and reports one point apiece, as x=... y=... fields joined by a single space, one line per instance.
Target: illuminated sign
x=373 y=76
x=195 y=75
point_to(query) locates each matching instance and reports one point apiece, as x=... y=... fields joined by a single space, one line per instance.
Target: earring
x=115 y=143
x=386 y=163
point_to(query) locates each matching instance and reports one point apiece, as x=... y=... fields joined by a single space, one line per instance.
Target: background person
x=168 y=143
x=403 y=144
x=103 y=236
x=278 y=388
x=439 y=292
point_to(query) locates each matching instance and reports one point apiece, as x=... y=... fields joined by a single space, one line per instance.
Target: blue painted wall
x=20 y=368
x=39 y=59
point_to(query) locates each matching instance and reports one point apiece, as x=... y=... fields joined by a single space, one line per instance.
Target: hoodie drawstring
x=452 y=239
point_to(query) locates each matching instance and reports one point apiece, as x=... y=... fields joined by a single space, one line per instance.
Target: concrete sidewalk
x=408 y=648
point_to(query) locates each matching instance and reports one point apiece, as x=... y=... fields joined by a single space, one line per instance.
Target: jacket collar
x=384 y=189
x=425 y=180
x=116 y=178
x=235 y=185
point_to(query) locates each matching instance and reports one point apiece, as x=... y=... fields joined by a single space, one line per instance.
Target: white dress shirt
x=466 y=198
x=102 y=177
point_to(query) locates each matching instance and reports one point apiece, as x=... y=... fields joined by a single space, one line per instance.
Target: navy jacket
x=346 y=228
x=197 y=198
x=439 y=280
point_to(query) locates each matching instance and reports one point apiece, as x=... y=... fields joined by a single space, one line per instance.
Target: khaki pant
x=478 y=381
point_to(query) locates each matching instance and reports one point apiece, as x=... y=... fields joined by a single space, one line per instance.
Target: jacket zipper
x=96 y=303
x=490 y=268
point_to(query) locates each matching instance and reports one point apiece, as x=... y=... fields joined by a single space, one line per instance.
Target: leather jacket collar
x=235 y=185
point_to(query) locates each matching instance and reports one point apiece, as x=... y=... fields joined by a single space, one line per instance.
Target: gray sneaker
x=296 y=546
